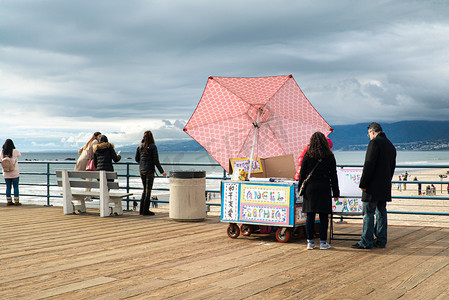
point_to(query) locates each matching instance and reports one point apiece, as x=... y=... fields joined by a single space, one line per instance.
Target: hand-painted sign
x=243 y=163
x=262 y=194
x=350 y=202
x=347 y=205
x=230 y=201
x=264 y=214
x=300 y=218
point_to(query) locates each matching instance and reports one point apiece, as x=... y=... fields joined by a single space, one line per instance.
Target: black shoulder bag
x=303 y=185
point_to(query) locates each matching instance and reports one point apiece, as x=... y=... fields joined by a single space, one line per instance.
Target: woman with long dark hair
x=11 y=170
x=320 y=188
x=147 y=157
x=86 y=152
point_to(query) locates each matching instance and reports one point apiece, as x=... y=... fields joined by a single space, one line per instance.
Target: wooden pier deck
x=47 y=255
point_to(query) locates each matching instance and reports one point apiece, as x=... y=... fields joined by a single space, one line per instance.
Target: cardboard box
x=277 y=166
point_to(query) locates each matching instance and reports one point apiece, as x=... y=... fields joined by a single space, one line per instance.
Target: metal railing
x=129 y=170
x=46 y=177
x=415 y=182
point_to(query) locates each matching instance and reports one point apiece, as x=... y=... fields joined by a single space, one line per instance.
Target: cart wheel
x=246 y=230
x=283 y=238
x=299 y=232
x=233 y=231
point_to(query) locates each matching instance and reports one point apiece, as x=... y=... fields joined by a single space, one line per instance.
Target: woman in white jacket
x=86 y=152
x=11 y=174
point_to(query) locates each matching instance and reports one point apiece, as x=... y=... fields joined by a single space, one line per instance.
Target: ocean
x=201 y=157
x=33 y=178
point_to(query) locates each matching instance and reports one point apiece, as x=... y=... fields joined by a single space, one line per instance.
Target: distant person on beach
x=104 y=154
x=375 y=183
x=301 y=156
x=154 y=200
x=322 y=185
x=400 y=184
x=419 y=186
x=148 y=158
x=405 y=179
x=86 y=152
x=433 y=189
x=10 y=165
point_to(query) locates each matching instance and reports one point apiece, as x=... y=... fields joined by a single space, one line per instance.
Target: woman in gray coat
x=320 y=188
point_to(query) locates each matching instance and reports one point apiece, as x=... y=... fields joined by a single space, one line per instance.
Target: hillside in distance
x=405 y=135
x=173 y=145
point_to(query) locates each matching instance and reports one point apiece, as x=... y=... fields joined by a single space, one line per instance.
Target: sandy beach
x=420 y=205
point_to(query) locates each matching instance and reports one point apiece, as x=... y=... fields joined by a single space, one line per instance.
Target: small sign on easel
x=243 y=163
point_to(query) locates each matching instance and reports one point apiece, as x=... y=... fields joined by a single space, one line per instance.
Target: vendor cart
x=261 y=206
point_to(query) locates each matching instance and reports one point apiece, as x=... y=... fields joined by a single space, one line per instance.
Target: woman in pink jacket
x=86 y=152
x=11 y=174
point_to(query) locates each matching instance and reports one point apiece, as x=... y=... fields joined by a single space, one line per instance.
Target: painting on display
x=243 y=163
x=350 y=202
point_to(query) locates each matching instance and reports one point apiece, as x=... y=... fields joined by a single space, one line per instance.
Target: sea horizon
x=342 y=157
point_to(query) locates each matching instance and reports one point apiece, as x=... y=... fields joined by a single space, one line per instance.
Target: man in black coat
x=375 y=183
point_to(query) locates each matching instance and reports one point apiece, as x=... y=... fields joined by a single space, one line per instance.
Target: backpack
x=8 y=164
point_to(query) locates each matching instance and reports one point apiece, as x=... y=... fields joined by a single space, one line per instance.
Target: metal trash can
x=187 y=195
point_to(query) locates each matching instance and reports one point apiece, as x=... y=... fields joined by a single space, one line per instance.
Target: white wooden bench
x=96 y=180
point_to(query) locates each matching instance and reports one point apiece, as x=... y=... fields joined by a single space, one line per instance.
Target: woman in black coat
x=148 y=158
x=320 y=188
x=104 y=154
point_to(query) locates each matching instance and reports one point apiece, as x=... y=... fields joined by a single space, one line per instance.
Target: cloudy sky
x=69 y=68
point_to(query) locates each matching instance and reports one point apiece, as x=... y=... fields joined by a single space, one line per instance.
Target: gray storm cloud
x=82 y=61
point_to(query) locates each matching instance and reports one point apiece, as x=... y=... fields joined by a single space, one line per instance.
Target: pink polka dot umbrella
x=262 y=117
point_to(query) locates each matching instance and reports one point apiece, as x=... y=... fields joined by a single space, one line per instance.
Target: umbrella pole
x=256 y=129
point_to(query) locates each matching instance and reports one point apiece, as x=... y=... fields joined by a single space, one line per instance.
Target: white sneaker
x=310 y=245
x=324 y=246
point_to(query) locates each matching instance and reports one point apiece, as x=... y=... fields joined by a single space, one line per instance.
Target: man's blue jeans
x=12 y=182
x=373 y=228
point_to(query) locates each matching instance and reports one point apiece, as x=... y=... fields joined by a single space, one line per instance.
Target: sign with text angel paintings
x=265 y=204
x=243 y=163
x=350 y=202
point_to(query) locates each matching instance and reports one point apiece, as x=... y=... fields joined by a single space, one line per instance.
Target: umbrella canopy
x=262 y=116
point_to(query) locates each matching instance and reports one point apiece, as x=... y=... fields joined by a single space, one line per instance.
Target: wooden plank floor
x=47 y=255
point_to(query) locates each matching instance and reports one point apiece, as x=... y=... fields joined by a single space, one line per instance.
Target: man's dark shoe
x=376 y=245
x=358 y=246
x=148 y=213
